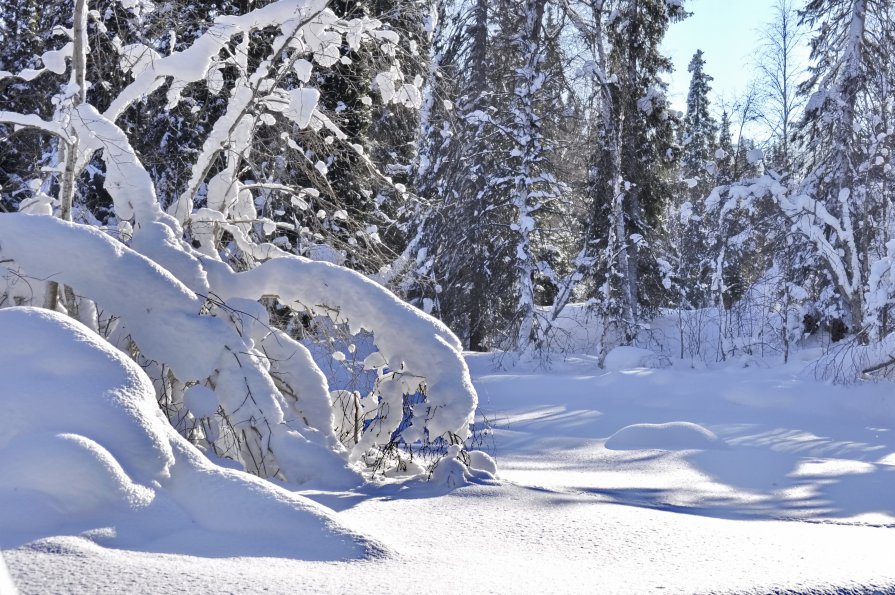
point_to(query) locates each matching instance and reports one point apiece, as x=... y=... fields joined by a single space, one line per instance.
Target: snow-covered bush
x=82 y=442
x=265 y=402
x=188 y=292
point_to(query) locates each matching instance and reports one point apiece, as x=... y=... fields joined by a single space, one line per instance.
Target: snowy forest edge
x=233 y=194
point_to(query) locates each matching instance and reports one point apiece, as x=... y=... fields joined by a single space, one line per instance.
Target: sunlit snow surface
x=796 y=493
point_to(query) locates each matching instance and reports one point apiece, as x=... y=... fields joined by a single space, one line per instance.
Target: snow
x=170 y=336
x=420 y=347
x=54 y=61
x=200 y=400
x=303 y=69
x=34 y=121
x=126 y=180
x=6 y=585
x=385 y=82
x=237 y=354
x=624 y=357
x=84 y=449
x=679 y=435
x=302 y=103
x=798 y=498
x=170 y=329
x=746 y=476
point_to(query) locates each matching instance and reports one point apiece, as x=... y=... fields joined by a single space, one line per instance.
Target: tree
x=462 y=253
x=28 y=31
x=486 y=170
x=630 y=179
x=535 y=186
x=725 y=158
x=195 y=279
x=699 y=129
x=699 y=171
x=780 y=71
x=830 y=133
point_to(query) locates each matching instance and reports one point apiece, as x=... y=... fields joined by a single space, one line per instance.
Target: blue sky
x=727 y=31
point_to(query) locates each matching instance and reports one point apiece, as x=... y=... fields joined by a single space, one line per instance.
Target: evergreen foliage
x=492 y=161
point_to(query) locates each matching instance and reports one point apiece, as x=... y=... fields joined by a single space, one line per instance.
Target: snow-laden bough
x=84 y=449
x=275 y=424
x=178 y=307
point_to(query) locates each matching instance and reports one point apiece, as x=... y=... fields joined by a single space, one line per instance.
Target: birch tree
x=780 y=72
x=182 y=283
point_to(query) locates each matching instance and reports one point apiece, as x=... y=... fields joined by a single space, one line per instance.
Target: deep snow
x=84 y=448
x=797 y=492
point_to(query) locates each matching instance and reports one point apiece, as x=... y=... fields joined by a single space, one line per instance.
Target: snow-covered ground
x=742 y=477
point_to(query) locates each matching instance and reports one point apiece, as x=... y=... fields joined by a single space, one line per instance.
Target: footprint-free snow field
x=735 y=478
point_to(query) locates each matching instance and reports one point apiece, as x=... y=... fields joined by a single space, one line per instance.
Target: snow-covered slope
x=795 y=495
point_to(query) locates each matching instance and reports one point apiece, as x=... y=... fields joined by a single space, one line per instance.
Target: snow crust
x=798 y=502
x=785 y=483
x=236 y=350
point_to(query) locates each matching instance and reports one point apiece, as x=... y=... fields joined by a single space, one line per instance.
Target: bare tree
x=780 y=71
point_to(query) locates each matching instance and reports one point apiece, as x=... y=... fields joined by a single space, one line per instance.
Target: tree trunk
x=69 y=175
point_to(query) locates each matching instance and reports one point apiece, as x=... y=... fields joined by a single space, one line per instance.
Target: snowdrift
x=85 y=450
x=627 y=357
x=6 y=585
x=678 y=435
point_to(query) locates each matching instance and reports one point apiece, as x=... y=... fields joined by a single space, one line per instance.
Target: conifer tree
x=726 y=152
x=699 y=172
x=486 y=169
x=631 y=179
x=462 y=251
x=833 y=151
x=699 y=130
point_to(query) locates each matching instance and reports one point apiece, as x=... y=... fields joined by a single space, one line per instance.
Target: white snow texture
x=83 y=443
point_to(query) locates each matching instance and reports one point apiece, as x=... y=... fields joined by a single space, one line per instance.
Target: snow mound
x=85 y=450
x=677 y=435
x=626 y=357
x=6 y=586
x=482 y=461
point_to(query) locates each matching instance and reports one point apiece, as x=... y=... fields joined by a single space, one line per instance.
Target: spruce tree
x=698 y=170
x=632 y=171
x=464 y=260
x=725 y=155
x=831 y=134
x=699 y=130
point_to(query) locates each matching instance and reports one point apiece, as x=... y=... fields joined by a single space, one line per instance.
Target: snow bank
x=626 y=358
x=229 y=346
x=6 y=586
x=678 y=435
x=164 y=318
x=84 y=449
x=118 y=279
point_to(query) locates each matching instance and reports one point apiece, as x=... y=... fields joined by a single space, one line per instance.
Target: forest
x=317 y=240
x=488 y=163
